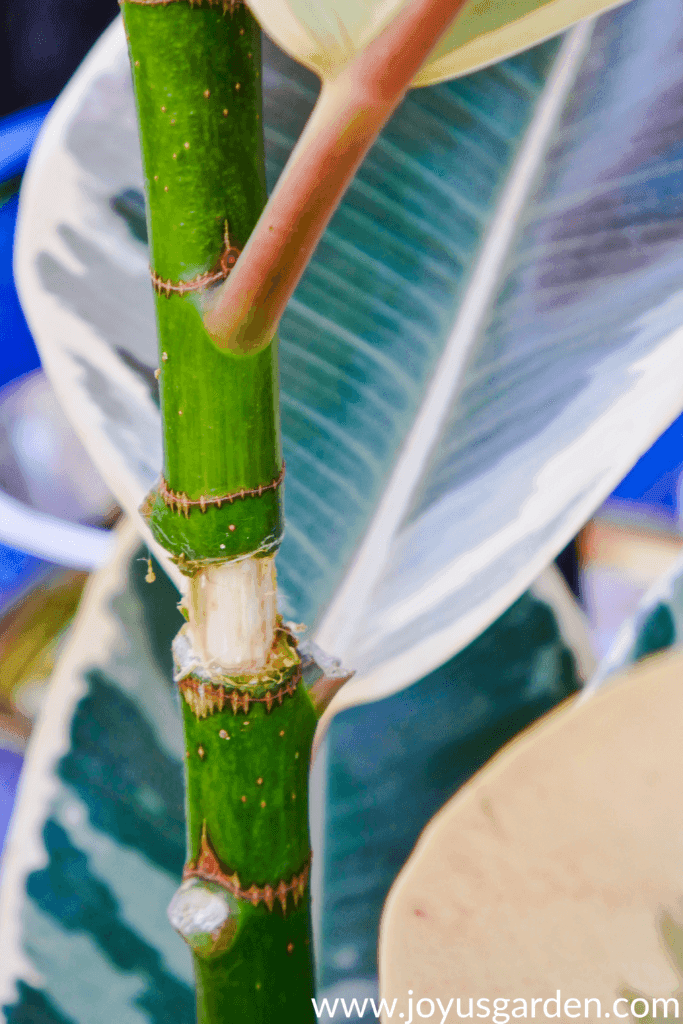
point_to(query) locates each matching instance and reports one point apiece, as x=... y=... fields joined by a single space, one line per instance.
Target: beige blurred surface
x=555 y=866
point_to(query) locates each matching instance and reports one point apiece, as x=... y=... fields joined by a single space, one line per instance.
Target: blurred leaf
x=30 y=631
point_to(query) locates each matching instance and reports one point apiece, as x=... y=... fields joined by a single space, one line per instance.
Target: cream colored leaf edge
x=491 y=47
x=349 y=31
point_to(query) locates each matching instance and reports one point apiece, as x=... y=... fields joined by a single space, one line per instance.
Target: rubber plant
x=223 y=266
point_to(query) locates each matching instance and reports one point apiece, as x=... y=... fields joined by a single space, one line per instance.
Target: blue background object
x=655 y=479
x=18 y=352
x=10 y=766
x=18 y=132
x=17 y=571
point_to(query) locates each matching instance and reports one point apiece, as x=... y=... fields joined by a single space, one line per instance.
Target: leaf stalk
x=243 y=313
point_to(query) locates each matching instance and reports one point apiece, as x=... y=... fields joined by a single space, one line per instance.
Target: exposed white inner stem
x=232 y=609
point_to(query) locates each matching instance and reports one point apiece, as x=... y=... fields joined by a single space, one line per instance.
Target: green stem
x=248 y=742
x=244 y=904
x=196 y=69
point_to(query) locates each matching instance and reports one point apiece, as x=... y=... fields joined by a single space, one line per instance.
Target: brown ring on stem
x=208 y=868
x=226 y=261
x=179 y=502
x=207 y=698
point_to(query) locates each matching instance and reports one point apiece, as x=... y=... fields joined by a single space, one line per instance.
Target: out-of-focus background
x=42 y=464
x=47 y=480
